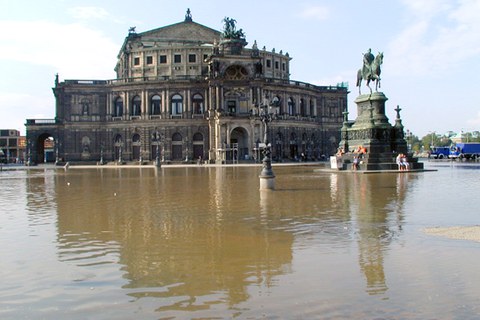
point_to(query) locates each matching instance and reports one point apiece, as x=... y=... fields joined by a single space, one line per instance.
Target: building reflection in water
x=194 y=237
x=187 y=237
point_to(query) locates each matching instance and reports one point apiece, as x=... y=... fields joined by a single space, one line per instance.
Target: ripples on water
x=204 y=242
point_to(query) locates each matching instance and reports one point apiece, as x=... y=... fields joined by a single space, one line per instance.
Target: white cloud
x=316 y=12
x=437 y=37
x=73 y=50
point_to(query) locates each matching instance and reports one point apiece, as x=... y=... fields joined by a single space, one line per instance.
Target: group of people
x=402 y=162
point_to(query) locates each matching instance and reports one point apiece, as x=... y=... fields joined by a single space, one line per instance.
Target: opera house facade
x=186 y=92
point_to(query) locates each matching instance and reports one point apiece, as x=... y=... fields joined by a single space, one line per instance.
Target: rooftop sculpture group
x=230 y=31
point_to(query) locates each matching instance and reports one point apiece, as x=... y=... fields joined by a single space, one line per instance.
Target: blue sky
x=431 y=49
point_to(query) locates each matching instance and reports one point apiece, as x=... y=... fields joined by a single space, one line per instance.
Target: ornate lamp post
x=267 y=114
x=156 y=138
x=101 y=154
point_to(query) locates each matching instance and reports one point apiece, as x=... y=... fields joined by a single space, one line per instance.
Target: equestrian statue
x=370 y=70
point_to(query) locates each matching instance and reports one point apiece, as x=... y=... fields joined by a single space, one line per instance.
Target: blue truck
x=465 y=151
x=439 y=152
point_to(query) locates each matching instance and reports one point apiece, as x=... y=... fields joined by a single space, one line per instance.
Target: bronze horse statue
x=370 y=72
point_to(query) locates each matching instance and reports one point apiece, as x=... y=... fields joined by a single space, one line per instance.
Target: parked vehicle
x=439 y=152
x=465 y=151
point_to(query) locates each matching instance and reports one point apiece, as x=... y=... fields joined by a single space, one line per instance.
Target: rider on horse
x=370 y=70
x=367 y=63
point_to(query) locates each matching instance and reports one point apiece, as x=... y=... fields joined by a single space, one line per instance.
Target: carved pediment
x=183 y=31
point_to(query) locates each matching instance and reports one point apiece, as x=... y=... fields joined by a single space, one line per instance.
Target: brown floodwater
x=202 y=242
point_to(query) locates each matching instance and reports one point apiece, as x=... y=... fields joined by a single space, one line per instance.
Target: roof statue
x=230 y=31
x=370 y=70
x=188 y=16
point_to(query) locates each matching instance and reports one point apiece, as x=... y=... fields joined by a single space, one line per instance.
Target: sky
x=431 y=66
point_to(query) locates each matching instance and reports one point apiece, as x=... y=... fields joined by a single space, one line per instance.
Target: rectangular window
x=177 y=58
x=192 y=58
x=269 y=63
x=149 y=60
x=232 y=107
x=12 y=142
x=277 y=65
x=205 y=56
x=136 y=61
x=163 y=59
x=283 y=66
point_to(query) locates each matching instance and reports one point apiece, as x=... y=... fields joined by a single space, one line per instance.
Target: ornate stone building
x=184 y=92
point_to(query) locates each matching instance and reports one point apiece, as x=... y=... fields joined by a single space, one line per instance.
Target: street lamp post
x=156 y=138
x=101 y=154
x=267 y=114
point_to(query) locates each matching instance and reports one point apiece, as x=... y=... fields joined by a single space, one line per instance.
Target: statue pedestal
x=371 y=106
x=372 y=131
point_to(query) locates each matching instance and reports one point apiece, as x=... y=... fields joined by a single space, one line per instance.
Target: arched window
x=276 y=101
x=136 y=138
x=197 y=103
x=291 y=107
x=155 y=105
x=118 y=107
x=177 y=105
x=118 y=139
x=302 y=107
x=177 y=137
x=198 y=137
x=136 y=106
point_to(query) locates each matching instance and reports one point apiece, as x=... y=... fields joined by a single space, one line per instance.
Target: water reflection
x=378 y=212
x=206 y=240
x=188 y=236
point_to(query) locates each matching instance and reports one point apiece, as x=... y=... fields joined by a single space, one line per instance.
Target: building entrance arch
x=44 y=150
x=239 y=144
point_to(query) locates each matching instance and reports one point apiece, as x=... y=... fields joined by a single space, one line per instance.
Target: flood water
x=205 y=243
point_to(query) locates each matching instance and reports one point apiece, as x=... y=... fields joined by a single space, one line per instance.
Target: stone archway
x=239 y=143
x=45 y=148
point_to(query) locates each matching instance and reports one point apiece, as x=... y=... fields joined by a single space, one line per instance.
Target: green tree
x=434 y=139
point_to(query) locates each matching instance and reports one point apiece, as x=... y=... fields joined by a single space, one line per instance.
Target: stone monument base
x=372 y=132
